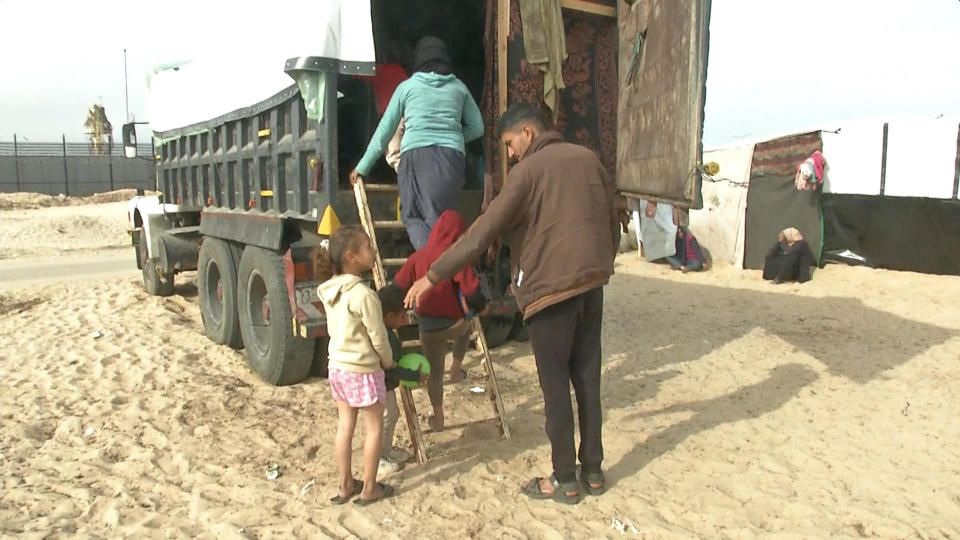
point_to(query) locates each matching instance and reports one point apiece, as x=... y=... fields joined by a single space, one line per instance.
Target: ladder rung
x=394 y=262
x=412 y=344
x=388 y=225
x=381 y=187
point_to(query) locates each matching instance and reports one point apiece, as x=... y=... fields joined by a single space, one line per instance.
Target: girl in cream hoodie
x=359 y=351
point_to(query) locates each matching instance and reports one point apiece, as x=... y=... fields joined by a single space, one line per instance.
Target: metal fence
x=74 y=169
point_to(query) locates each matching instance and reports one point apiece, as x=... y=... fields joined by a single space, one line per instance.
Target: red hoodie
x=442 y=299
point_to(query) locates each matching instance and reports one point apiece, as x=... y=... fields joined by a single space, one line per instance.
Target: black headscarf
x=431 y=55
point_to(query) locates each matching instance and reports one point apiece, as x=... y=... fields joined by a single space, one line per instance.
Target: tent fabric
x=920 y=160
x=773 y=204
x=208 y=87
x=921 y=157
x=658 y=235
x=719 y=227
x=898 y=233
x=854 y=158
x=588 y=105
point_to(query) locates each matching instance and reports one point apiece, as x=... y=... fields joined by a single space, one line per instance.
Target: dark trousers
x=566 y=344
x=431 y=179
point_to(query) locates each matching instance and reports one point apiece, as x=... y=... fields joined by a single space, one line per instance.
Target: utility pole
x=126 y=88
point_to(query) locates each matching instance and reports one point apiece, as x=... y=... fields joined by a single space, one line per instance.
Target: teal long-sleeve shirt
x=438 y=111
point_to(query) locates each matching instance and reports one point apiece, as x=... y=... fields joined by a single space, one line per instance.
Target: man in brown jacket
x=564 y=215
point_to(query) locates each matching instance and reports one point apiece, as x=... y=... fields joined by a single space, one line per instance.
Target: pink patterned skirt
x=357 y=389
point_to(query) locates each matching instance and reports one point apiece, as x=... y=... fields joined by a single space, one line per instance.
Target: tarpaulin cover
x=773 y=204
x=898 y=233
x=658 y=235
x=213 y=85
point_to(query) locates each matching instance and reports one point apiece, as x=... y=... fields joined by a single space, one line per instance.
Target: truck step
x=384 y=188
x=388 y=225
x=411 y=344
x=394 y=262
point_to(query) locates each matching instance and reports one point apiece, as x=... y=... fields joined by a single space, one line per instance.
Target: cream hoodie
x=358 y=338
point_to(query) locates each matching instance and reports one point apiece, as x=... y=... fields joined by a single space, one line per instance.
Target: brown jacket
x=559 y=205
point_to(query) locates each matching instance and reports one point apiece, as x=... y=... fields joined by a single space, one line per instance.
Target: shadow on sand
x=675 y=324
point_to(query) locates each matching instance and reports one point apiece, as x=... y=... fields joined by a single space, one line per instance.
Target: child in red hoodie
x=440 y=311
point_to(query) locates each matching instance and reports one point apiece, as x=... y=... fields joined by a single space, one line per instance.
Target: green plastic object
x=416 y=362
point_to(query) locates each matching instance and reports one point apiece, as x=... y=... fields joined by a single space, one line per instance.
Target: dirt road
x=27 y=271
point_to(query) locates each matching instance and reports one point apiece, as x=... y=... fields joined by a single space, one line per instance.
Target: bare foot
x=348 y=490
x=374 y=492
x=457 y=375
x=436 y=423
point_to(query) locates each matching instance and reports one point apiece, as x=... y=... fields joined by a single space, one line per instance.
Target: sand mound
x=63 y=229
x=22 y=201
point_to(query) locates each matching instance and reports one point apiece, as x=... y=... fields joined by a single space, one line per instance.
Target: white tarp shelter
x=920 y=161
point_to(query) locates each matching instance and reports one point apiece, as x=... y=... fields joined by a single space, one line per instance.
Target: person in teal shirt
x=440 y=117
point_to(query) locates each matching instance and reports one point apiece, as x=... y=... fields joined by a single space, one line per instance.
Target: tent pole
x=883 y=157
x=956 y=168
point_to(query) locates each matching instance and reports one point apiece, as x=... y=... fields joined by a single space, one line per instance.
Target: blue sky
x=775 y=65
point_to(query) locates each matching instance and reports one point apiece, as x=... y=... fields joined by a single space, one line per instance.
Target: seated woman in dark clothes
x=789 y=259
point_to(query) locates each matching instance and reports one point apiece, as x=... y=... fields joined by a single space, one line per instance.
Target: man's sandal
x=566 y=492
x=589 y=480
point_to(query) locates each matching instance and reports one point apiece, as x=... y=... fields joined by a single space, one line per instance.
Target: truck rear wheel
x=155 y=282
x=497 y=330
x=266 y=321
x=217 y=287
x=520 y=332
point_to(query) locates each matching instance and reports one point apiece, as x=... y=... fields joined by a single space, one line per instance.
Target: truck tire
x=520 y=332
x=266 y=321
x=154 y=281
x=217 y=288
x=321 y=358
x=497 y=330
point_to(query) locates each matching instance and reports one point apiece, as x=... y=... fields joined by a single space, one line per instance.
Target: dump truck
x=253 y=154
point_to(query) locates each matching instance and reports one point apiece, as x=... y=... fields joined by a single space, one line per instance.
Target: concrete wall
x=74 y=175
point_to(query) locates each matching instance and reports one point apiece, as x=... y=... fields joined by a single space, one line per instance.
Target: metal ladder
x=371 y=226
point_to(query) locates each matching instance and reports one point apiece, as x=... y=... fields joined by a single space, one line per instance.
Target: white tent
x=919 y=160
x=920 y=157
x=719 y=226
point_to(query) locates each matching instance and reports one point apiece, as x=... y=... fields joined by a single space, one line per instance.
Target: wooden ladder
x=370 y=226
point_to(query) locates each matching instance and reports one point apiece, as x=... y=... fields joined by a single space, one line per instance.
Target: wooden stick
x=380 y=280
x=413 y=424
x=492 y=383
x=366 y=221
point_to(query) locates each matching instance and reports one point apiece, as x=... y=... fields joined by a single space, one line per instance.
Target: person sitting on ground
x=689 y=256
x=394 y=316
x=789 y=259
x=440 y=313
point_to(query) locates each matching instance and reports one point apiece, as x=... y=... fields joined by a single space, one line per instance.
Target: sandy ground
x=734 y=408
